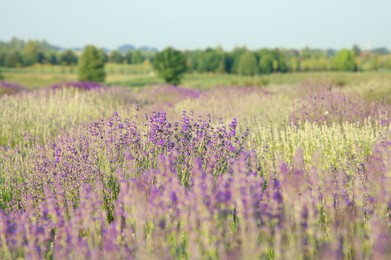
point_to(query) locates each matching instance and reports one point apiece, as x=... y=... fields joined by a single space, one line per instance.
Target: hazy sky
x=187 y=24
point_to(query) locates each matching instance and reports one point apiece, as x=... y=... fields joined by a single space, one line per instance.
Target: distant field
x=41 y=76
x=336 y=78
x=38 y=80
x=142 y=75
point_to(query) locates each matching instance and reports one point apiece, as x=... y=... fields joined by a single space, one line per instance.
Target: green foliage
x=68 y=57
x=315 y=64
x=345 y=61
x=116 y=57
x=307 y=53
x=247 y=64
x=235 y=57
x=137 y=57
x=211 y=60
x=91 y=65
x=16 y=44
x=1 y=76
x=170 y=65
x=266 y=63
x=104 y=55
x=128 y=57
x=272 y=61
x=30 y=53
x=13 y=60
x=294 y=64
x=19 y=53
x=53 y=59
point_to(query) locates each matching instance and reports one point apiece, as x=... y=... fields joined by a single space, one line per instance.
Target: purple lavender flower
x=277 y=196
x=233 y=126
x=78 y=85
x=10 y=88
x=173 y=197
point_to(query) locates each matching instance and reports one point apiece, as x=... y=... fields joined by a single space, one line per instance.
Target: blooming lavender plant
x=327 y=106
x=153 y=188
x=78 y=85
x=10 y=87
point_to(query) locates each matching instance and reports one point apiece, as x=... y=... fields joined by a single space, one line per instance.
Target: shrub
x=345 y=61
x=91 y=65
x=170 y=65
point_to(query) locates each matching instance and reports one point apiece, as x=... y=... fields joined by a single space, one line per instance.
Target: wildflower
x=173 y=197
x=233 y=126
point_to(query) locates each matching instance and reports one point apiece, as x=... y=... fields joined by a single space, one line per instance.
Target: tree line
x=242 y=61
x=18 y=53
x=171 y=64
x=265 y=61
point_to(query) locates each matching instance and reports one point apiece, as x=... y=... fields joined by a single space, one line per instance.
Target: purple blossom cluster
x=10 y=87
x=328 y=105
x=154 y=210
x=152 y=188
x=181 y=91
x=77 y=85
x=167 y=95
x=107 y=146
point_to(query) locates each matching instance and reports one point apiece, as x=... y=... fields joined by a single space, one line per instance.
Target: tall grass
x=43 y=114
x=239 y=172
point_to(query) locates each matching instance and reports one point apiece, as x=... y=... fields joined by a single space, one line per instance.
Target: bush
x=248 y=64
x=170 y=64
x=91 y=65
x=345 y=61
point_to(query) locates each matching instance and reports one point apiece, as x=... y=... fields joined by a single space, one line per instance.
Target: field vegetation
x=279 y=166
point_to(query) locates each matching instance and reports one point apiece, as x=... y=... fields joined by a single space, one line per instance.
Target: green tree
x=128 y=57
x=91 y=65
x=193 y=59
x=13 y=59
x=170 y=65
x=2 y=59
x=1 y=76
x=68 y=57
x=233 y=66
x=294 y=64
x=30 y=53
x=103 y=54
x=248 y=64
x=272 y=61
x=116 y=57
x=137 y=57
x=266 y=62
x=211 y=60
x=282 y=65
x=345 y=61
x=41 y=57
x=222 y=68
x=53 y=59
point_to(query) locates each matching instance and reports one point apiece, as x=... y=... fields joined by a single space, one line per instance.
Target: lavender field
x=297 y=171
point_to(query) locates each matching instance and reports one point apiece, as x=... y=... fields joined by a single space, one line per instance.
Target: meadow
x=284 y=166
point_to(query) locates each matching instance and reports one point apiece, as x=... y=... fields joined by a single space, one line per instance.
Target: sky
x=190 y=24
